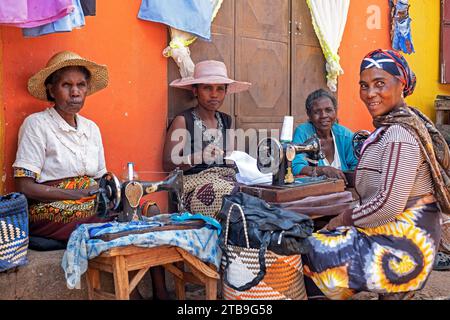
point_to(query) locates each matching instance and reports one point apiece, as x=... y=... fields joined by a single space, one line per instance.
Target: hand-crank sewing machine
x=122 y=199
x=276 y=158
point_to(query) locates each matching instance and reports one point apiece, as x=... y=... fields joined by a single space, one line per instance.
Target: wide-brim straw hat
x=99 y=73
x=211 y=72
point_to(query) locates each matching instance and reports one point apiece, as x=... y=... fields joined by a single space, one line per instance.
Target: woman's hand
x=331 y=172
x=212 y=153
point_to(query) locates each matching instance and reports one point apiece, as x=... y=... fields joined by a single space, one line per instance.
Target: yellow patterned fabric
x=67 y=210
x=392 y=258
x=24 y=173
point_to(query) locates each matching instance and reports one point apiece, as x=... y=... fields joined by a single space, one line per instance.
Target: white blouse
x=337 y=160
x=54 y=150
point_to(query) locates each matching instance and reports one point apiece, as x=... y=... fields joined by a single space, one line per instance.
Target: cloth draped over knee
x=203 y=192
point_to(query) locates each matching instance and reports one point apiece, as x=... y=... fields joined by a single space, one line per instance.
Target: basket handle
x=262 y=267
x=243 y=221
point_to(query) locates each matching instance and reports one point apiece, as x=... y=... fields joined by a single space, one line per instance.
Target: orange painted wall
x=359 y=39
x=131 y=112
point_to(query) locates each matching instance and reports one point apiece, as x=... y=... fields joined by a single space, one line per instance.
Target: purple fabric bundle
x=33 y=13
x=325 y=205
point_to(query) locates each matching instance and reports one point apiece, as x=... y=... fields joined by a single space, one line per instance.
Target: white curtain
x=329 y=18
x=178 y=47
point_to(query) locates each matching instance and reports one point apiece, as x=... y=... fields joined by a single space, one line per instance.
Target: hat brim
x=98 y=81
x=233 y=85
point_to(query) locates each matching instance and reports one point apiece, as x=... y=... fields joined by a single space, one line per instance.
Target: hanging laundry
x=193 y=16
x=401 y=26
x=33 y=13
x=65 y=24
x=89 y=7
x=329 y=18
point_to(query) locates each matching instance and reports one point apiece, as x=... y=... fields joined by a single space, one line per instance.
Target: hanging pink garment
x=33 y=13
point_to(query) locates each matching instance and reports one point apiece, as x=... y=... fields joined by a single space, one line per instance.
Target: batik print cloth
x=395 y=257
x=202 y=243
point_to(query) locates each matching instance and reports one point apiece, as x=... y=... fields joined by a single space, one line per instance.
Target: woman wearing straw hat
x=60 y=152
x=196 y=139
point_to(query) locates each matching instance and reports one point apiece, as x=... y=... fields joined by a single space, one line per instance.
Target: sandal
x=441 y=262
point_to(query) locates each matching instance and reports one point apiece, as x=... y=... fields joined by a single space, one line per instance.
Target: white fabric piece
x=329 y=19
x=54 y=150
x=248 y=169
x=337 y=160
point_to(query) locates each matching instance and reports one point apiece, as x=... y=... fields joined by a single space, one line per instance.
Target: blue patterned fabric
x=202 y=243
x=394 y=63
x=65 y=24
x=13 y=231
x=193 y=16
x=401 y=38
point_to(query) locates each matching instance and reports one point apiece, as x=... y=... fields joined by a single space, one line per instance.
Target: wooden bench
x=120 y=261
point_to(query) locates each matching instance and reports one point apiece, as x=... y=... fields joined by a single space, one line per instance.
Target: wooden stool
x=119 y=261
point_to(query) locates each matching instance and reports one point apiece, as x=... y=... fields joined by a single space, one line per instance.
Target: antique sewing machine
x=276 y=158
x=122 y=199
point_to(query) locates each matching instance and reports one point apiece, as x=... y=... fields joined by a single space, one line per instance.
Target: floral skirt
x=395 y=257
x=56 y=220
x=203 y=192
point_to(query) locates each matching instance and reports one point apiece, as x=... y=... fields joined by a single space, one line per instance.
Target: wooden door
x=263 y=58
x=308 y=63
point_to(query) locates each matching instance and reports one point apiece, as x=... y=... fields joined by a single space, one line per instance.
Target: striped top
x=391 y=170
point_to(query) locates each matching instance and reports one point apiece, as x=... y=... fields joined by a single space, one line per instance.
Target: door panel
x=308 y=63
x=263 y=58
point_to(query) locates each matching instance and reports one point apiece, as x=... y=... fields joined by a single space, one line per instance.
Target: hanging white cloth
x=329 y=18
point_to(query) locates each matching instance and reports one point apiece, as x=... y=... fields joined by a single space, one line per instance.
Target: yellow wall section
x=425 y=15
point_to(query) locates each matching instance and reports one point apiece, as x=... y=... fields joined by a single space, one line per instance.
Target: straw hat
x=212 y=72
x=99 y=73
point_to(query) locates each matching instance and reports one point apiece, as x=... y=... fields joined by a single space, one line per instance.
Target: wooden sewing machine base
x=119 y=261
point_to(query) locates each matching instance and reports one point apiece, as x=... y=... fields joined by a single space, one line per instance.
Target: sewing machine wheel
x=359 y=137
x=270 y=155
x=109 y=195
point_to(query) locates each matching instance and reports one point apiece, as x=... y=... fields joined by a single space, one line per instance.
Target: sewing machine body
x=122 y=199
x=276 y=158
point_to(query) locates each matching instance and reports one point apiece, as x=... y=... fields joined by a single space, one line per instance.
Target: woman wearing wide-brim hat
x=60 y=153
x=196 y=139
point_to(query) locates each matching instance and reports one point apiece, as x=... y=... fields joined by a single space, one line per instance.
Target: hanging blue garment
x=65 y=24
x=402 y=40
x=193 y=16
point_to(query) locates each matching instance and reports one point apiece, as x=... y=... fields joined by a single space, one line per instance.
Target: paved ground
x=43 y=278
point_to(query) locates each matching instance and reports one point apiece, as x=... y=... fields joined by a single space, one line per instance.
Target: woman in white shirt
x=60 y=153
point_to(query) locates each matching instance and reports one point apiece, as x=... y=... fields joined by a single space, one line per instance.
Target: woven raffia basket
x=13 y=231
x=282 y=280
